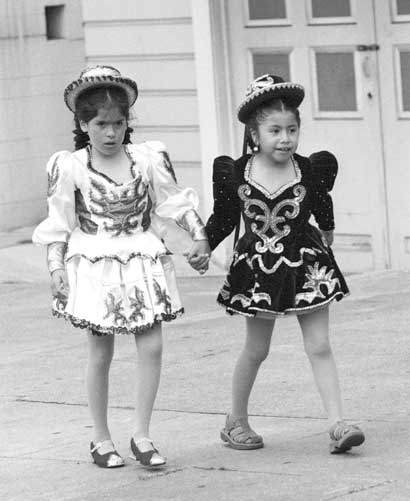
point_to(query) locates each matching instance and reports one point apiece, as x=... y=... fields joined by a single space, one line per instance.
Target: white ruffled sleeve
x=61 y=219
x=171 y=200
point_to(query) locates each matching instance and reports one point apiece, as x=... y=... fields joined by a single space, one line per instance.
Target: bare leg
x=149 y=358
x=255 y=351
x=100 y=353
x=315 y=328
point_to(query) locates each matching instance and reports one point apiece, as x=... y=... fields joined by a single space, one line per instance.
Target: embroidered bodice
x=83 y=201
x=272 y=221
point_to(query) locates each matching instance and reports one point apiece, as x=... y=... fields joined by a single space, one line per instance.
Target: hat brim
x=75 y=88
x=291 y=93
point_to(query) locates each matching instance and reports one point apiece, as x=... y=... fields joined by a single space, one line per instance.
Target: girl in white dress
x=111 y=272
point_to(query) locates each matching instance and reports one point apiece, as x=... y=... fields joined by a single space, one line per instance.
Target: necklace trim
x=106 y=176
x=281 y=189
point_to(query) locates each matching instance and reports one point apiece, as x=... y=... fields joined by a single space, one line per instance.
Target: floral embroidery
x=52 y=177
x=162 y=296
x=271 y=219
x=317 y=278
x=87 y=225
x=115 y=308
x=255 y=297
x=137 y=305
x=122 y=206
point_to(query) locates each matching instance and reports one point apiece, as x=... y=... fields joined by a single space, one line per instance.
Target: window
x=404 y=78
x=272 y=63
x=267 y=9
x=266 y=12
x=331 y=8
x=400 y=10
x=54 y=21
x=403 y=7
x=336 y=84
x=330 y=11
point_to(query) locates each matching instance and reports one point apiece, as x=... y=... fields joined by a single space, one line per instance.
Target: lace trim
x=103 y=331
x=252 y=311
x=281 y=189
x=114 y=257
x=106 y=176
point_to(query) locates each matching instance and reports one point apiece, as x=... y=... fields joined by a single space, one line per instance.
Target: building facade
x=41 y=48
x=193 y=60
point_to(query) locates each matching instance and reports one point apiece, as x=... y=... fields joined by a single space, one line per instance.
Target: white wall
x=34 y=121
x=151 y=41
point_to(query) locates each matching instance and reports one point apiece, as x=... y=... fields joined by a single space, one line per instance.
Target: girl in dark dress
x=282 y=264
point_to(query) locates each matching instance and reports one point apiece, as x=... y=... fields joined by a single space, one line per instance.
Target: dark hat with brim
x=99 y=76
x=266 y=88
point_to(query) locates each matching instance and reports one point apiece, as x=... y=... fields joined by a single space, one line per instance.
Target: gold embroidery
x=270 y=219
x=316 y=278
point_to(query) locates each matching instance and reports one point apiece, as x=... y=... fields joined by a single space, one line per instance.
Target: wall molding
x=154 y=21
x=175 y=56
x=353 y=242
x=167 y=128
x=168 y=92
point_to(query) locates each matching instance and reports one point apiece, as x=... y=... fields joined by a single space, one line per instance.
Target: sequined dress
x=121 y=276
x=281 y=264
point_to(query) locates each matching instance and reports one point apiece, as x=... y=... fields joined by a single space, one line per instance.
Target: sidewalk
x=45 y=425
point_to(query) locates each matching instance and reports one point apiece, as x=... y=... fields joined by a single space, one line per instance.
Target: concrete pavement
x=45 y=426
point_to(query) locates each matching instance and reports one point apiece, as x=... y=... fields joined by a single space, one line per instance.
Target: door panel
x=341 y=110
x=393 y=33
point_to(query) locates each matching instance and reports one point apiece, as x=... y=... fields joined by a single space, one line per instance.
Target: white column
x=206 y=91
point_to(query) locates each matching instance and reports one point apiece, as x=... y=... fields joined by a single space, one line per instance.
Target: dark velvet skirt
x=301 y=278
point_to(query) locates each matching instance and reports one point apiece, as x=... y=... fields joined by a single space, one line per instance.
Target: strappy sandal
x=146 y=458
x=239 y=435
x=110 y=459
x=344 y=436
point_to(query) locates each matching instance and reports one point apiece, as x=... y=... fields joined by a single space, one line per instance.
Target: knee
x=101 y=358
x=319 y=349
x=151 y=349
x=256 y=355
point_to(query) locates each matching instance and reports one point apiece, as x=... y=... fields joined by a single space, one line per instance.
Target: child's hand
x=59 y=283
x=198 y=256
x=328 y=236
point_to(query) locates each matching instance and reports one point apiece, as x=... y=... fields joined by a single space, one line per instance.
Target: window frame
x=252 y=23
x=318 y=114
x=285 y=50
x=395 y=17
x=352 y=19
x=402 y=114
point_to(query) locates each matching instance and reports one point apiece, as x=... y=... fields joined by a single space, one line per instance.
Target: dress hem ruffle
x=288 y=311
x=114 y=257
x=104 y=331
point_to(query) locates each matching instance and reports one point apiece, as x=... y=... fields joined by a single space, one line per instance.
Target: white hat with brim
x=268 y=87
x=99 y=76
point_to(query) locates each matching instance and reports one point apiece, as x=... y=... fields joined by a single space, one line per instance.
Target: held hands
x=198 y=256
x=328 y=236
x=59 y=283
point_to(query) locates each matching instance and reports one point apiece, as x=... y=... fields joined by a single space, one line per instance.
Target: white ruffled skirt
x=118 y=286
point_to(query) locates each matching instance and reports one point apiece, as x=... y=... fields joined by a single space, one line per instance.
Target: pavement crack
x=340 y=493
x=237 y=470
x=208 y=413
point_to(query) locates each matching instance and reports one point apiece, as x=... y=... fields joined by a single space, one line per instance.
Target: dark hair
x=261 y=112
x=90 y=101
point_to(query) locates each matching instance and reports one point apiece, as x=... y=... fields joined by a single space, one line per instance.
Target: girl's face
x=106 y=130
x=277 y=136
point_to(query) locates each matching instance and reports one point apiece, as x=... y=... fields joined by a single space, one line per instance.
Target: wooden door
x=324 y=45
x=393 y=36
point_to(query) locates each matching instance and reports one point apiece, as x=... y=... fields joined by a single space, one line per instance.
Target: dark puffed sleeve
x=226 y=210
x=324 y=172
